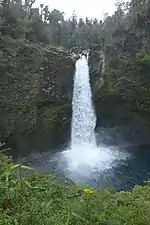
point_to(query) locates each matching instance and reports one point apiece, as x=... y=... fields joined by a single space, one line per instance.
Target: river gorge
x=93 y=157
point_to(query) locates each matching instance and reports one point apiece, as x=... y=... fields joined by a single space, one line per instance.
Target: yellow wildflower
x=88 y=191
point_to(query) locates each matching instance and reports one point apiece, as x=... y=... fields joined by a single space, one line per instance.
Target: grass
x=39 y=199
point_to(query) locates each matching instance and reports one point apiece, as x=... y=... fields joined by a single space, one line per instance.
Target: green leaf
x=11 y=168
x=77 y=216
x=26 y=167
x=27 y=183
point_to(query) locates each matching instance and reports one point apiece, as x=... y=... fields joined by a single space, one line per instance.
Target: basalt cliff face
x=36 y=91
x=96 y=62
x=121 y=101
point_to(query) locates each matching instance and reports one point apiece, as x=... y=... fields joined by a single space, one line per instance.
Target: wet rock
x=56 y=78
x=96 y=61
x=75 y=57
x=1 y=54
x=123 y=124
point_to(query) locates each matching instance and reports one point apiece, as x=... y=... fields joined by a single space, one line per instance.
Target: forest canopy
x=130 y=22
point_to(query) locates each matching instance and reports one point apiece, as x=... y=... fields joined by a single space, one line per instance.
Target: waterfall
x=84 y=160
x=83 y=116
x=83 y=156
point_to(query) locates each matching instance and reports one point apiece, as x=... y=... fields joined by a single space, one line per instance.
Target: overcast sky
x=83 y=8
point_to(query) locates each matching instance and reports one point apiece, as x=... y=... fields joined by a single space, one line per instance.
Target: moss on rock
x=124 y=99
x=32 y=78
x=53 y=119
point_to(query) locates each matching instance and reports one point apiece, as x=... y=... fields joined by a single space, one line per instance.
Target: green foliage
x=127 y=53
x=38 y=199
x=5 y=162
x=19 y=67
x=127 y=28
x=10 y=169
x=54 y=118
x=21 y=20
x=145 y=59
x=106 y=89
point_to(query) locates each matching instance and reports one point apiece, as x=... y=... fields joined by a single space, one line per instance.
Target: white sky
x=83 y=8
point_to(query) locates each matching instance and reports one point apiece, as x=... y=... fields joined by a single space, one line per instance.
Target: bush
x=39 y=199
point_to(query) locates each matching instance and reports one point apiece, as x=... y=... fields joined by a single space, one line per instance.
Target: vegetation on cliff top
x=127 y=52
x=36 y=199
x=21 y=20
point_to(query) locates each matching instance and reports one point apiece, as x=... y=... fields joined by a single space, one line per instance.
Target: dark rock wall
x=56 y=80
x=36 y=90
x=117 y=102
x=96 y=67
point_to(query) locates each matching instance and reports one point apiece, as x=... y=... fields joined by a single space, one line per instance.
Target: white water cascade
x=84 y=158
x=83 y=116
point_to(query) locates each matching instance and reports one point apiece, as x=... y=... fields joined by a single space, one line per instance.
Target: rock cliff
x=96 y=62
x=36 y=91
x=121 y=102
